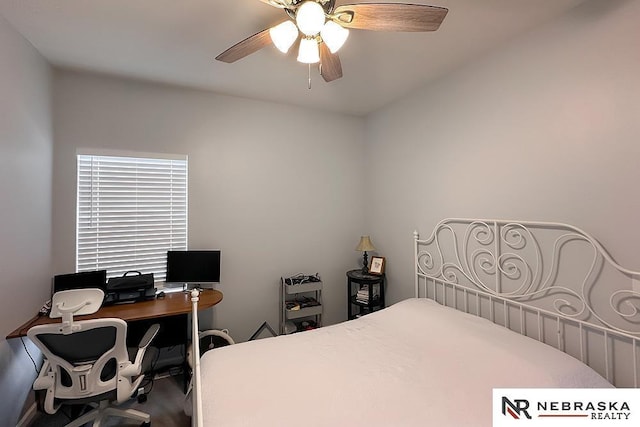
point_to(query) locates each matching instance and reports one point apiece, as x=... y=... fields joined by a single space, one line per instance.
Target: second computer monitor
x=193 y=267
x=82 y=280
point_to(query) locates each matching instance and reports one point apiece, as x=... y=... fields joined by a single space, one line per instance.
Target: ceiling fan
x=324 y=28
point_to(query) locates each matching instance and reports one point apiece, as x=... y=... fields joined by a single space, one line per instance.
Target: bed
x=498 y=304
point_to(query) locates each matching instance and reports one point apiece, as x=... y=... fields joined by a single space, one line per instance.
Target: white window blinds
x=130 y=212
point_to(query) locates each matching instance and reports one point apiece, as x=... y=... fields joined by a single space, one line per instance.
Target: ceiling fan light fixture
x=320 y=40
x=284 y=35
x=309 y=52
x=310 y=18
x=334 y=35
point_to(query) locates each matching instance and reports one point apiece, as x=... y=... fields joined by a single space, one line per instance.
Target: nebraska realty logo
x=566 y=407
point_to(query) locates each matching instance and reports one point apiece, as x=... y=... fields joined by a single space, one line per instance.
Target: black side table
x=369 y=301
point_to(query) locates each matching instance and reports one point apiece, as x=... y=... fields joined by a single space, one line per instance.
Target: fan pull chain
x=309 y=76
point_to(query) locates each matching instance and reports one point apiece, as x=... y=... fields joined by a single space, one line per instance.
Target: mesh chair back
x=85 y=362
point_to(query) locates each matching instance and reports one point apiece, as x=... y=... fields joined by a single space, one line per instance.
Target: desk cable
x=26 y=328
x=29 y=354
x=149 y=377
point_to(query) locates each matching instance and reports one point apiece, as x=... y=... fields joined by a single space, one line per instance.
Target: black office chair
x=87 y=362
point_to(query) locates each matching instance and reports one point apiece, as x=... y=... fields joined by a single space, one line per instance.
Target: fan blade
x=390 y=16
x=330 y=66
x=246 y=47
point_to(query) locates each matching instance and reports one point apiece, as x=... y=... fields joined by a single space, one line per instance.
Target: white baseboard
x=29 y=416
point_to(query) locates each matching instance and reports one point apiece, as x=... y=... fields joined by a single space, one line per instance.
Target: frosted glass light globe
x=310 y=18
x=309 y=52
x=334 y=35
x=284 y=35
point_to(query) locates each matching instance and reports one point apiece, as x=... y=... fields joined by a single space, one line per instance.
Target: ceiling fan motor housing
x=292 y=5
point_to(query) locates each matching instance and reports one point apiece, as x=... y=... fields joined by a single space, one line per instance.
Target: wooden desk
x=172 y=304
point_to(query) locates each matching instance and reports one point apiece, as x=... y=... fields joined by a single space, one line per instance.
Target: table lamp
x=364 y=246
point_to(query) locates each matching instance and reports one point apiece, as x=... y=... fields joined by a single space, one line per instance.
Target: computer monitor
x=82 y=280
x=193 y=267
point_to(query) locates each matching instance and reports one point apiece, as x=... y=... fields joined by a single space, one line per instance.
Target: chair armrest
x=135 y=367
x=129 y=369
x=45 y=378
x=149 y=336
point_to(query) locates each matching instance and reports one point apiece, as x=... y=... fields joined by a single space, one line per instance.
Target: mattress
x=415 y=363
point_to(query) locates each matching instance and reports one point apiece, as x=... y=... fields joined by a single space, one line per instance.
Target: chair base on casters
x=99 y=414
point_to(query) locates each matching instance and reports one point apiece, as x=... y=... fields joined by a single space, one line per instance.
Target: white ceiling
x=176 y=41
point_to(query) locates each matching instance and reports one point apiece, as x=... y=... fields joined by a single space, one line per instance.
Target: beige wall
x=279 y=189
x=545 y=129
x=25 y=217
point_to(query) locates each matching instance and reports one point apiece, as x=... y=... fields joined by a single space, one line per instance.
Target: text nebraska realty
x=599 y=410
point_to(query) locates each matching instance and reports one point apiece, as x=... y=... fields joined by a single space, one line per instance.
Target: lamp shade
x=284 y=35
x=309 y=52
x=310 y=18
x=365 y=245
x=334 y=35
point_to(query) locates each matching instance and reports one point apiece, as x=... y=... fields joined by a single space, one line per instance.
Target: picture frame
x=377 y=265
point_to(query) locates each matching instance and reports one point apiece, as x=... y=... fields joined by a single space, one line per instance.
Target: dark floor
x=165 y=402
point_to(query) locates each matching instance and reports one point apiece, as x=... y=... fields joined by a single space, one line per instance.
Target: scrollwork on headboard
x=555 y=266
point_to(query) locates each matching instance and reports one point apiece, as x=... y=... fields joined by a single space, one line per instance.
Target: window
x=130 y=212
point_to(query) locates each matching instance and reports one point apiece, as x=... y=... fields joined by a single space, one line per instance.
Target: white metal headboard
x=550 y=281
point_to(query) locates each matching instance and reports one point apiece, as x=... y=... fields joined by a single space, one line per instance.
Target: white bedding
x=415 y=363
